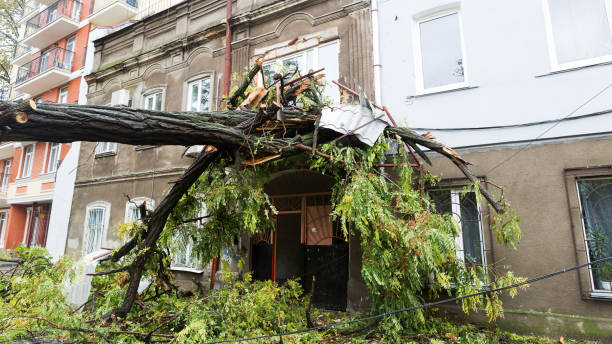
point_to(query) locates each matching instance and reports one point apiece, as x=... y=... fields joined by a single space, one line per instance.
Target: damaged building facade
x=523 y=93
x=174 y=61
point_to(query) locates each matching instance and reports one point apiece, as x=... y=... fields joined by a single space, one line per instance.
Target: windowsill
x=48 y=174
x=605 y=295
x=429 y=93
x=143 y=147
x=575 y=68
x=23 y=179
x=105 y=154
x=186 y=269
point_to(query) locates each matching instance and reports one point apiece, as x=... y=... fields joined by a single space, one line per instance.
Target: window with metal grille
x=95 y=228
x=596 y=209
x=465 y=211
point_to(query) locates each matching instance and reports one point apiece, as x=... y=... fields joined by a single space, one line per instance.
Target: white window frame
x=418 y=58
x=552 y=48
x=63 y=93
x=6 y=174
x=131 y=205
x=198 y=79
x=303 y=54
x=190 y=266
x=106 y=148
x=456 y=212
x=599 y=293
x=53 y=162
x=152 y=95
x=27 y=173
x=3 y=226
x=106 y=216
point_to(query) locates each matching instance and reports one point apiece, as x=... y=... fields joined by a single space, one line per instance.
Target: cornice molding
x=200 y=38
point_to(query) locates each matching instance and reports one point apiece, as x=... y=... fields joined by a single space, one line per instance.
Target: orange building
x=48 y=67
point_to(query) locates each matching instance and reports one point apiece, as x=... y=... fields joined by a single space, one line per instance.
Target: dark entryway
x=306 y=242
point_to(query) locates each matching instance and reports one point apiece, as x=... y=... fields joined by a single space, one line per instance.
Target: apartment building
x=175 y=61
x=522 y=91
x=48 y=66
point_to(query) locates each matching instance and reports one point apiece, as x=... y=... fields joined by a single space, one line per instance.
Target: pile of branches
x=259 y=125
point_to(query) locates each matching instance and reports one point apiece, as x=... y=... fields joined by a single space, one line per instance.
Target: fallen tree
x=274 y=123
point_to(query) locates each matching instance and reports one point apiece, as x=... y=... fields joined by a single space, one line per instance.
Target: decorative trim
x=131 y=176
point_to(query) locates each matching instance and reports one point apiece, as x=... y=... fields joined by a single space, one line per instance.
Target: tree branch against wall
x=264 y=127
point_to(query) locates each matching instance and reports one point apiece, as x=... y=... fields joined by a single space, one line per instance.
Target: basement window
x=596 y=211
x=464 y=209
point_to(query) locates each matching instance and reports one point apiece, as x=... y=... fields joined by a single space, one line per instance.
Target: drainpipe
x=376 y=53
x=228 y=49
x=226 y=90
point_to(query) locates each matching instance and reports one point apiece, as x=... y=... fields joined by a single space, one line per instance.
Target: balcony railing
x=30 y=7
x=70 y=9
x=56 y=58
x=21 y=50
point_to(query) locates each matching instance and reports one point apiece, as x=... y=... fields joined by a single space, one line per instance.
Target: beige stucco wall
x=535 y=185
x=166 y=51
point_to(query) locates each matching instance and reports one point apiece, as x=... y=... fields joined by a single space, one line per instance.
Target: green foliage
x=10 y=13
x=32 y=305
x=409 y=251
x=227 y=203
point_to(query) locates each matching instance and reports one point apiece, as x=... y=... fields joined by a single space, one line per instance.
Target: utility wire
x=549 y=129
x=407 y=309
x=519 y=125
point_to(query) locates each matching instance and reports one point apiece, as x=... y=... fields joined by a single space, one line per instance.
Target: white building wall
x=509 y=73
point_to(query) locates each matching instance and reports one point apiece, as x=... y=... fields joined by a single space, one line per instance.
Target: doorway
x=305 y=242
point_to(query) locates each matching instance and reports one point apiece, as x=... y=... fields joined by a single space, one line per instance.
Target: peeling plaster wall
x=167 y=50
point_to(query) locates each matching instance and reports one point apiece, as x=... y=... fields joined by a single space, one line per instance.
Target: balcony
x=51 y=69
x=31 y=8
x=22 y=54
x=53 y=23
x=113 y=12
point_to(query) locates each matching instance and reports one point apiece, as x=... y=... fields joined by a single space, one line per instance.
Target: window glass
x=62 y=98
x=2 y=228
x=596 y=203
x=69 y=53
x=581 y=29
x=27 y=161
x=6 y=174
x=154 y=101
x=53 y=157
x=441 y=52
x=106 y=147
x=323 y=56
x=95 y=228
x=199 y=95
x=465 y=210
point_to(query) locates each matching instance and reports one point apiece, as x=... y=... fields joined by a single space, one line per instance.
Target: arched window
x=132 y=211
x=96 y=225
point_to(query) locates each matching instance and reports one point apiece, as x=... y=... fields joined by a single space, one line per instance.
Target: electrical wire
x=407 y=309
x=519 y=125
x=549 y=129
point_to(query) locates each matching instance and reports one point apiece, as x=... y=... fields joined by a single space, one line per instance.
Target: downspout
x=376 y=53
x=228 y=49
x=227 y=79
